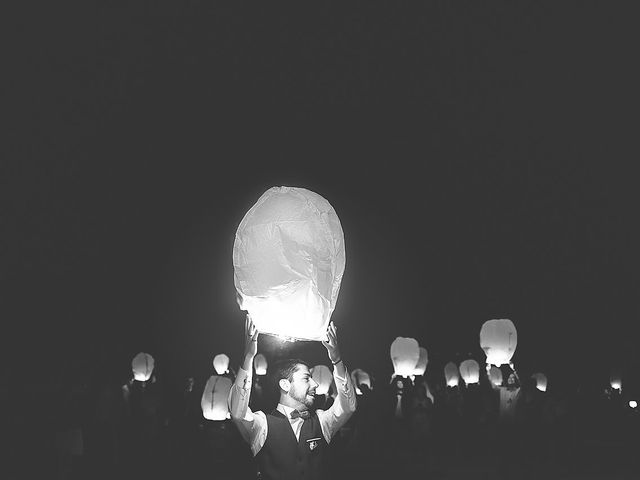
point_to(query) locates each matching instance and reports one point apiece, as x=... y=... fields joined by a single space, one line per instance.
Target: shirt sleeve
x=252 y=426
x=343 y=407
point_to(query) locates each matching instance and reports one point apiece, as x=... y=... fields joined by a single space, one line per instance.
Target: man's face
x=303 y=387
x=511 y=380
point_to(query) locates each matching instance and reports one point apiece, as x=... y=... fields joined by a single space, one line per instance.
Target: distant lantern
x=214 y=398
x=260 y=364
x=470 y=371
x=142 y=366
x=633 y=403
x=323 y=377
x=451 y=374
x=360 y=377
x=423 y=359
x=616 y=381
x=405 y=353
x=541 y=381
x=221 y=363
x=498 y=339
x=495 y=375
x=288 y=259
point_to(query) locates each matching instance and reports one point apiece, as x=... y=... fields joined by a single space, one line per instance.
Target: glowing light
x=221 y=363
x=541 y=381
x=616 y=381
x=451 y=374
x=323 y=377
x=470 y=371
x=423 y=359
x=495 y=375
x=142 y=366
x=214 y=398
x=405 y=354
x=498 y=339
x=288 y=259
x=633 y=403
x=260 y=364
x=360 y=377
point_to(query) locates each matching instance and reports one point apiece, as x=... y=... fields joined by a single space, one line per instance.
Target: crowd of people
x=103 y=427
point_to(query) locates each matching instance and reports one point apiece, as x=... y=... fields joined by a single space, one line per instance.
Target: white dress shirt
x=253 y=425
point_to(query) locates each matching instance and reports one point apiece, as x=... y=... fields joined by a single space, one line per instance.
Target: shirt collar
x=286 y=411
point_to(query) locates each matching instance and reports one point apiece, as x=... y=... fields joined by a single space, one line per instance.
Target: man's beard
x=307 y=401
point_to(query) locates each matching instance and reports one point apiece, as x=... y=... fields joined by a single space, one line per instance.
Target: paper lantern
x=633 y=403
x=142 y=366
x=616 y=381
x=423 y=359
x=405 y=353
x=541 y=381
x=221 y=363
x=360 y=377
x=451 y=374
x=288 y=259
x=323 y=377
x=260 y=364
x=214 y=398
x=498 y=339
x=470 y=371
x=495 y=375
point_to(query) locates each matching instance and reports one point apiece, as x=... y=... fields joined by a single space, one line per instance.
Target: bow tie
x=305 y=414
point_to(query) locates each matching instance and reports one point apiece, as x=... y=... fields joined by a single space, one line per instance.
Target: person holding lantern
x=280 y=454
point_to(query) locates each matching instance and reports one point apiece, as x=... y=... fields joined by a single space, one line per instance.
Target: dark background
x=481 y=158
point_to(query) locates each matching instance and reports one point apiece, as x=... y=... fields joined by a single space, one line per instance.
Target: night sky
x=481 y=158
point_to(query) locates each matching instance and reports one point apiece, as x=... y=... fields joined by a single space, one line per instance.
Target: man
x=291 y=442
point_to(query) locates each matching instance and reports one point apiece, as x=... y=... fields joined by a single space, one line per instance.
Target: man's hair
x=286 y=368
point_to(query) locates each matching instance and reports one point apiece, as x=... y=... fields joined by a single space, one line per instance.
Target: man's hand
x=251 y=338
x=331 y=344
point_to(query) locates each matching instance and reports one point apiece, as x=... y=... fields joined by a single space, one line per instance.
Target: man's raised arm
x=252 y=426
x=345 y=403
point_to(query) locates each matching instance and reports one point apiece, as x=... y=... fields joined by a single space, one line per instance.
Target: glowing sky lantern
x=142 y=366
x=288 y=259
x=214 y=398
x=495 y=375
x=470 y=371
x=360 y=377
x=541 y=381
x=451 y=374
x=260 y=364
x=221 y=363
x=405 y=353
x=498 y=339
x=423 y=359
x=323 y=377
x=616 y=381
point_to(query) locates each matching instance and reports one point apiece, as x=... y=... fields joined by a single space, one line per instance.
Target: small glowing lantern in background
x=495 y=375
x=451 y=374
x=260 y=364
x=541 y=381
x=288 y=260
x=470 y=371
x=498 y=339
x=323 y=377
x=214 y=398
x=633 y=403
x=616 y=381
x=405 y=353
x=221 y=363
x=423 y=359
x=142 y=366
x=360 y=377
